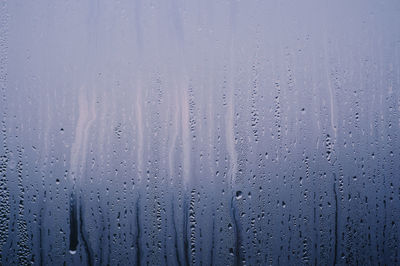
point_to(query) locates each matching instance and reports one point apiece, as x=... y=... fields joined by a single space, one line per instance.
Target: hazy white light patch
x=174 y=110
x=77 y=149
x=230 y=136
x=186 y=137
x=140 y=129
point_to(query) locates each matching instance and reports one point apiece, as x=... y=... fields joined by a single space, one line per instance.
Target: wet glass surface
x=199 y=132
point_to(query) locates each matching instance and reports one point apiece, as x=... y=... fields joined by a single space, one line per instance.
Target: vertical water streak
x=86 y=116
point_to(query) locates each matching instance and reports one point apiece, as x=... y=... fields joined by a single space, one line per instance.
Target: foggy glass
x=208 y=132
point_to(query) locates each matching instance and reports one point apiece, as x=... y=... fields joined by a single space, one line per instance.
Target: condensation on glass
x=199 y=132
